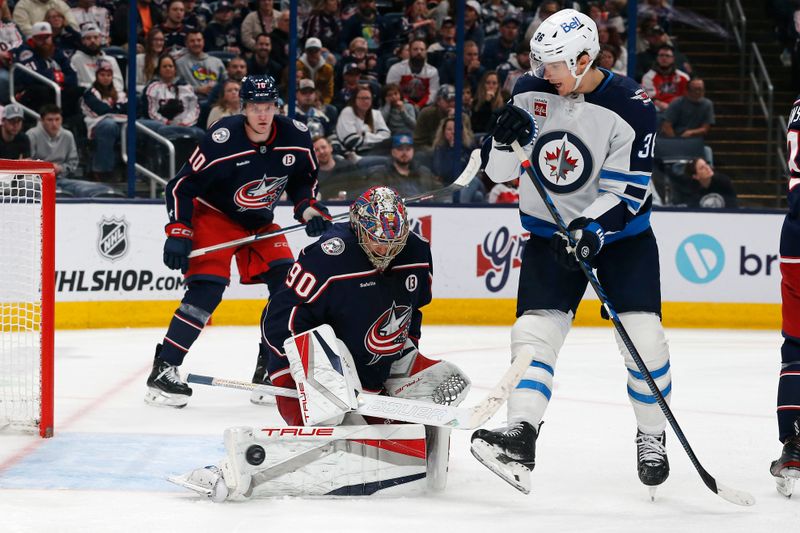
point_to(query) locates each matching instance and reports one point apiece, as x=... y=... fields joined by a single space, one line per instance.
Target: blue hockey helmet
x=259 y=89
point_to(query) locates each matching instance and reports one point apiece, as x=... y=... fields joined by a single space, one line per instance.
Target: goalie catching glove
x=416 y=377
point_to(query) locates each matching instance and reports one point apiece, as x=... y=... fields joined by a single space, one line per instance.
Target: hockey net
x=27 y=277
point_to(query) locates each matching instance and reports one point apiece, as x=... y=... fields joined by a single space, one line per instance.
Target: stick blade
x=472 y=168
x=739 y=497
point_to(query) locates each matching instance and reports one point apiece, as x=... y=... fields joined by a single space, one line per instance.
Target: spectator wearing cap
x=199 y=69
x=221 y=33
x=473 y=69
x=400 y=116
x=52 y=143
x=86 y=12
x=444 y=49
x=29 y=12
x=360 y=128
x=41 y=55
x=656 y=37
x=402 y=172
x=515 y=67
x=351 y=82
x=64 y=36
x=496 y=11
x=85 y=60
x=311 y=111
x=429 y=118
x=10 y=40
x=15 y=144
x=325 y=24
x=104 y=108
x=543 y=12
x=472 y=26
x=498 y=49
x=261 y=20
x=357 y=52
x=418 y=81
x=367 y=23
x=261 y=63
x=316 y=68
x=228 y=103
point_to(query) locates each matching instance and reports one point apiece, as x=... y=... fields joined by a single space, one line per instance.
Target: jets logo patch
x=261 y=193
x=221 y=135
x=334 y=246
x=563 y=160
x=388 y=333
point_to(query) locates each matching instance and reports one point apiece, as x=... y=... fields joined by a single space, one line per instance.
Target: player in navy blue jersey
x=227 y=190
x=787 y=468
x=367 y=279
x=589 y=136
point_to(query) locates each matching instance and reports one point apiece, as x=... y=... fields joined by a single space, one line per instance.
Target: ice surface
x=105 y=469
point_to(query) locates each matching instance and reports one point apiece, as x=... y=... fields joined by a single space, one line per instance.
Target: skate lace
x=650 y=447
x=514 y=430
x=170 y=373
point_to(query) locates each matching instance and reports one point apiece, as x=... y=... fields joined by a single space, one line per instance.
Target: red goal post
x=27 y=294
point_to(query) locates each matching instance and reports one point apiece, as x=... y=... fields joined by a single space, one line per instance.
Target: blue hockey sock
x=200 y=300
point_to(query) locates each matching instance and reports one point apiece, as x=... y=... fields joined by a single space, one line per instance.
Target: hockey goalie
x=348 y=324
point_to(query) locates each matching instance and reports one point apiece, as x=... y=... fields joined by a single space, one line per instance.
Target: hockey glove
x=314 y=215
x=514 y=124
x=588 y=237
x=178 y=246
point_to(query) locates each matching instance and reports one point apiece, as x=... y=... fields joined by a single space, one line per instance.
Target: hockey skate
x=508 y=452
x=260 y=377
x=787 y=468
x=208 y=481
x=651 y=458
x=165 y=386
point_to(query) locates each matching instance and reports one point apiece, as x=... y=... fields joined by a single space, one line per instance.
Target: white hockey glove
x=416 y=377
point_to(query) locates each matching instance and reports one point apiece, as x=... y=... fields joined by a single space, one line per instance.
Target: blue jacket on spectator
x=57 y=68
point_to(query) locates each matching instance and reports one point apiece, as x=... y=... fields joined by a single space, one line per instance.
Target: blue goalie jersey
x=374 y=313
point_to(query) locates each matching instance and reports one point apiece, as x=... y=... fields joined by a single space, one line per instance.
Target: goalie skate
x=260 y=377
x=508 y=452
x=207 y=481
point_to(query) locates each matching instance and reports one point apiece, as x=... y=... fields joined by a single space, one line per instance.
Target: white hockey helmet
x=564 y=36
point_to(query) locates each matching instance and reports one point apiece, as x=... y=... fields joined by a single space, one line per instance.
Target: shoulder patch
x=25 y=55
x=221 y=135
x=334 y=246
x=300 y=126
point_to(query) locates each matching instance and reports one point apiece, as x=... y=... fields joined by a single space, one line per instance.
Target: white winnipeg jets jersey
x=593 y=152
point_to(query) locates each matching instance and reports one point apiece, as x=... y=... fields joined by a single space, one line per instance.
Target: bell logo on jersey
x=388 y=333
x=563 y=160
x=261 y=193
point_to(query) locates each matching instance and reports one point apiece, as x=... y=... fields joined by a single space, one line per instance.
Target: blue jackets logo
x=700 y=258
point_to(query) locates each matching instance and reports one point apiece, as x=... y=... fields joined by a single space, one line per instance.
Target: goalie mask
x=378 y=218
x=561 y=40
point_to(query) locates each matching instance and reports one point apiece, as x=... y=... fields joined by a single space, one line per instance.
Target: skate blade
x=512 y=472
x=785 y=483
x=217 y=491
x=183 y=481
x=652 y=491
x=261 y=398
x=160 y=398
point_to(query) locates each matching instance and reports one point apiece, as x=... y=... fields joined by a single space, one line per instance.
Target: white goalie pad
x=325 y=374
x=315 y=461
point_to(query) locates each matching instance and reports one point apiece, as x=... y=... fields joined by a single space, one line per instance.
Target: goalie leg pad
x=647 y=334
x=316 y=461
x=541 y=333
x=325 y=375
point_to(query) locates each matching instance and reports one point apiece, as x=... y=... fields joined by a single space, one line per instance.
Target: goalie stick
x=732 y=495
x=402 y=409
x=464 y=179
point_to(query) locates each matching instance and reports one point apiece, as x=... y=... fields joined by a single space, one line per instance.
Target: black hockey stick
x=732 y=495
x=466 y=176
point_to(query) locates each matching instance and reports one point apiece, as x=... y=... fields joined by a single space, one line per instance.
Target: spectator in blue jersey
x=497 y=50
x=104 y=111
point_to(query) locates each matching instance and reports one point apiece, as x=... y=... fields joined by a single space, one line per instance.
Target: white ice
x=104 y=470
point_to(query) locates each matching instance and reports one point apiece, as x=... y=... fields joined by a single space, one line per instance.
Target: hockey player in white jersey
x=589 y=135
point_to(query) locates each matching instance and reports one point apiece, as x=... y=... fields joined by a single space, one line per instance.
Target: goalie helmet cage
x=27 y=292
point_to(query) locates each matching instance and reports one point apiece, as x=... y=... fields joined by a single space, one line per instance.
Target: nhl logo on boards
x=334 y=246
x=221 y=135
x=411 y=283
x=540 y=107
x=288 y=160
x=112 y=242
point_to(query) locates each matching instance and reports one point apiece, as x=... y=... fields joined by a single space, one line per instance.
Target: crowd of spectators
x=375 y=82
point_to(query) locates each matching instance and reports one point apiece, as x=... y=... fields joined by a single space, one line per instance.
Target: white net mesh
x=20 y=299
